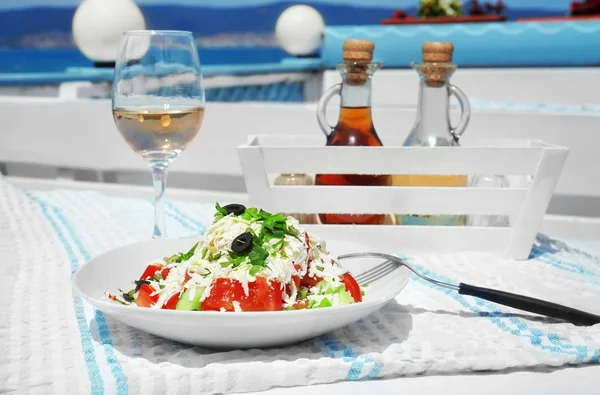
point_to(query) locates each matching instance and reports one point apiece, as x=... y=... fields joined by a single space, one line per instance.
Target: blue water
x=57 y=60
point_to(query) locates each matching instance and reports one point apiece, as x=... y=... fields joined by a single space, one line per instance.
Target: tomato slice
x=171 y=303
x=308 y=281
x=165 y=272
x=296 y=282
x=262 y=296
x=307 y=243
x=222 y=294
x=187 y=278
x=150 y=272
x=352 y=287
x=144 y=299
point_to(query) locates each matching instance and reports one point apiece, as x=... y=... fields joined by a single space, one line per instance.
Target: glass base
x=159 y=156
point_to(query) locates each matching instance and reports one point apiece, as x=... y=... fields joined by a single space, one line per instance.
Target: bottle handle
x=322 y=108
x=465 y=108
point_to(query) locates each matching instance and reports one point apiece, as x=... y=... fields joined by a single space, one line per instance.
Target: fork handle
x=532 y=305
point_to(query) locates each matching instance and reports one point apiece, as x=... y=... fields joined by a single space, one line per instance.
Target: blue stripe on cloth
x=545 y=248
x=590 y=277
x=376 y=371
x=179 y=214
x=185 y=221
x=97 y=383
x=596 y=357
x=499 y=319
x=561 y=264
x=358 y=364
x=337 y=349
x=542 y=255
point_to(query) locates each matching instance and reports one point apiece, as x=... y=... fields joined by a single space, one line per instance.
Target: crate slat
x=529 y=220
x=402 y=160
x=396 y=200
x=418 y=239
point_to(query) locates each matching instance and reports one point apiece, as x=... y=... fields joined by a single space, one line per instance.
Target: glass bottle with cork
x=354 y=126
x=433 y=127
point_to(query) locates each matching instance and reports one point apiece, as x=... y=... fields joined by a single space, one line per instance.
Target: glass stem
x=159 y=179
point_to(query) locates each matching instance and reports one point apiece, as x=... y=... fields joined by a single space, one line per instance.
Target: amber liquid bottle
x=355 y=125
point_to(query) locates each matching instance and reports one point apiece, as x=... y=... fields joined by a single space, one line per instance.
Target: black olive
x=235 y=209
x=242 y=244
x=127 y=297
x=139 y=283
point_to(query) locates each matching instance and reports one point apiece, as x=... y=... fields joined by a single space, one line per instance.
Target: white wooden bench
x=70 y=139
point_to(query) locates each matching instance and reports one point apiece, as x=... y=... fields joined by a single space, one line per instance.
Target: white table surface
x=578 y=380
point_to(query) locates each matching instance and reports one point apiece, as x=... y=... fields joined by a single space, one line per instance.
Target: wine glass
x=158 y=101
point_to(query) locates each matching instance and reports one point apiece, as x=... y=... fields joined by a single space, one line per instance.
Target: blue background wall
x=47 y=23
x=35 y=35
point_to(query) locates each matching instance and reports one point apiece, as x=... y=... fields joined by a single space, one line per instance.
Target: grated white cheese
x=192 y=293
x=171 y=284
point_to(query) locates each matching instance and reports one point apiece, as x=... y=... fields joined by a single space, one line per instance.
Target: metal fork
x=387 y=267
x=517 y=301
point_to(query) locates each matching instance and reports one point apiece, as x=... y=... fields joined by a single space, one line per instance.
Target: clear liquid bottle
x=297 y=179
x=355 y=124
x=433 y=128
x=484 y=181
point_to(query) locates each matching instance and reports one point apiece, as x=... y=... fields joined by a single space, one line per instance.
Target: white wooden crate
x=525 y=203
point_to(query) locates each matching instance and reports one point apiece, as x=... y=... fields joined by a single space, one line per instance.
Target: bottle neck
x=356 y=95
x=433 y=118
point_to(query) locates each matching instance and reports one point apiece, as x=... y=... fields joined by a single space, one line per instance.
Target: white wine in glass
x=158 y=101
x=154 y=133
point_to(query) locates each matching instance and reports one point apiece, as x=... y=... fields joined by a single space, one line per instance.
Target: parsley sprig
x=221 y=212
x=178 y=258
x=274 y=226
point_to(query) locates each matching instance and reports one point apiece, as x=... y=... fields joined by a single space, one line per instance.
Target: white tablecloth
x=53 y=342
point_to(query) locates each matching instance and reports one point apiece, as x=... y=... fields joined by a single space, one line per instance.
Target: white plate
x=118 y=268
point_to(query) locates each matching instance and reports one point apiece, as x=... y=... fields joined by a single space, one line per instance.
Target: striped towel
x=53 y=342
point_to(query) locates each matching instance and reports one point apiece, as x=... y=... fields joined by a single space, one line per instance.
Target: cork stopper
x=437 y=59
x=437 y=52
x=357 y=55
x=358 y=51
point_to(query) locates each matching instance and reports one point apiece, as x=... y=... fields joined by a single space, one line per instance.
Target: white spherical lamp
x=99 y=24
x=299 y=30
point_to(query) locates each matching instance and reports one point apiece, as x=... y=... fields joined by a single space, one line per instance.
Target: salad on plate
x=247 y=260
